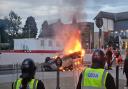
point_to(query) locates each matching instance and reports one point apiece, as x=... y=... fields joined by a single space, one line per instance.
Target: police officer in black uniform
x=27 y=80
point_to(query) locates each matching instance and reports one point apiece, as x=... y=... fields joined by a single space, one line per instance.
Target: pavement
x=122 y=78
x=68 y=80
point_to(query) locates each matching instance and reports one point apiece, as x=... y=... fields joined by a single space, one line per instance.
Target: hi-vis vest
x=94 y=79
x=31 y=85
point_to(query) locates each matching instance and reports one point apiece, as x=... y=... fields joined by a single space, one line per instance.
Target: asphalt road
x=66 y=78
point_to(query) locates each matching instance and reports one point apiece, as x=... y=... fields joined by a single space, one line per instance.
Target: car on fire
x=69 y=62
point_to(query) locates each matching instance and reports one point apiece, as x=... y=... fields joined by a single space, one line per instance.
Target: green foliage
x=45 y=25
x=14 y=22
x=10 y=30
x=44 y=29
x=30 y=28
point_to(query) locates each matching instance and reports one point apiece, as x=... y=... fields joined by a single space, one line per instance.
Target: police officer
x=26 y=80
x=96 y=77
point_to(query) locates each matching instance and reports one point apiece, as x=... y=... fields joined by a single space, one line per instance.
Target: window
x=50 y=43
x=42 y=42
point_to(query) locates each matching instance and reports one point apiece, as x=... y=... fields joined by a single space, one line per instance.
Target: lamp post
x=99 y=24
x=100 y=33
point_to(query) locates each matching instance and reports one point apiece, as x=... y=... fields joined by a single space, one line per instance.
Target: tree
x=44 y=29
x=30 y=28
x=14 y=24
x=45 y=25
x=4 y=37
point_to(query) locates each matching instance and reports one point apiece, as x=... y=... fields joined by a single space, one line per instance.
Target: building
x=87 y=34
x=63 y=31
x=36 y=49
x=96 y=39
x=114 y=24
x=30 y=44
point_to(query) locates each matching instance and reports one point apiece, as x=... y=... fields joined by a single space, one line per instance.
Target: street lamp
x=99 y=24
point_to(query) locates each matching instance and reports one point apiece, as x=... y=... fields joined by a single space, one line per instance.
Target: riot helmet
x=28 y=68
x=98 y=58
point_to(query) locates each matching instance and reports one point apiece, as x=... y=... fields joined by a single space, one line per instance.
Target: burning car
x=69 y=62
x=72 y=54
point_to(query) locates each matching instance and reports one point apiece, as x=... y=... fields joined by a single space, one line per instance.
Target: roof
x=113 y=16
x=102 y=14
x=58 y=27
x=122 y=16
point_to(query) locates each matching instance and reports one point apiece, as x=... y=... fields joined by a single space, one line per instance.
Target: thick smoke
x=68 y=34
x=74 y=8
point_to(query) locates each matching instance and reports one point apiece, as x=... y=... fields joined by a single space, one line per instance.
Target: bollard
x=117 y=77
x=58 y=79
x=58 y=64
x=17 y=70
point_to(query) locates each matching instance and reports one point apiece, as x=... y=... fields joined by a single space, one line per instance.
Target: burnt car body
x=68 y=62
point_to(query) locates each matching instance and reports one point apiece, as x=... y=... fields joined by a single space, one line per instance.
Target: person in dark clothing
x=96 y=77
x=27 y=80
x=125 y=69
x=109 y=58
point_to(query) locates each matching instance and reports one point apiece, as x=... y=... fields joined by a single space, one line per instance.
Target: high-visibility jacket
x=94 y=79
x=31 y=84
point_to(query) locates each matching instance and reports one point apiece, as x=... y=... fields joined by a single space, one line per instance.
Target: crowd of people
x=112 y=56
x=94 y=77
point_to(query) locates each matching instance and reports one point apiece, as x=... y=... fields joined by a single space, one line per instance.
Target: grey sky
x=51 y=10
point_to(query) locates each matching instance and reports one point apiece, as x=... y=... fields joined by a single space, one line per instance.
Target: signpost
x=99 y=24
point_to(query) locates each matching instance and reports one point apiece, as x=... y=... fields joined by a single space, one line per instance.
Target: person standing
x=109 y=58
x=119 y=59
x=96 y=77
x=27 y=80
x=125 y=69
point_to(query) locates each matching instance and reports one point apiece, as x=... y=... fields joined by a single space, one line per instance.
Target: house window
x=50 y=43
x=42 y=43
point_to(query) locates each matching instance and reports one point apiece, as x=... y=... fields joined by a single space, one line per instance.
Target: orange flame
x=74 y=44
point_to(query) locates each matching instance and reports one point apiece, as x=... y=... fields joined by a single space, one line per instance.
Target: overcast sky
x=51 y=10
